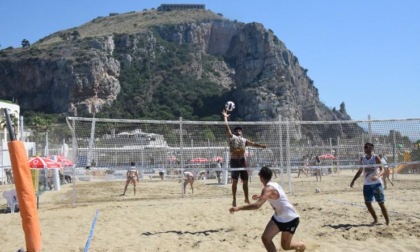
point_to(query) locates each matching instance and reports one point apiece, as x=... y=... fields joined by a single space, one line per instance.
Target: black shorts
x=290 y=226
x=238 y=163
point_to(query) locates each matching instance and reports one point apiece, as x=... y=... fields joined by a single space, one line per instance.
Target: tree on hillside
x=64 y=36
x=75 y=35
x=25 y=43
x=39 y=125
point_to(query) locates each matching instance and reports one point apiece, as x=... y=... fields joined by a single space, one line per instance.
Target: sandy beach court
x=159 y=218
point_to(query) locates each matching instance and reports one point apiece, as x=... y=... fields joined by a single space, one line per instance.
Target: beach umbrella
x=62 y=160
x=24 y=189
x=217 y=159
x=43 y=162
x=327 y=157
x=199 y=160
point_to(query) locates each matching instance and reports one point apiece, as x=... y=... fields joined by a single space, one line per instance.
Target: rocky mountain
x=163 y=65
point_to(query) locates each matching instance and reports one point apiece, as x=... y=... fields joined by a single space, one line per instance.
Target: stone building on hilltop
x=170 y=7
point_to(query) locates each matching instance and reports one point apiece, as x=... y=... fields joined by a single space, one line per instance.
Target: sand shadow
x=214 y=183
x=205 y=232
x=350 y=226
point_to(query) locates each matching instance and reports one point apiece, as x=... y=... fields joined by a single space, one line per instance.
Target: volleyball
x=317 y=190
x=229 y=106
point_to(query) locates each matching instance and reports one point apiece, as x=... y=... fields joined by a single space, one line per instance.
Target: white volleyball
x=230 y=106
x=317 y=190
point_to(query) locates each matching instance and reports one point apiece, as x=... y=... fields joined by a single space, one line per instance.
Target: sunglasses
x=366 y=146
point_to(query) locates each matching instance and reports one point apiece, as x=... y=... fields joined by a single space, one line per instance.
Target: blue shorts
x=375 y=190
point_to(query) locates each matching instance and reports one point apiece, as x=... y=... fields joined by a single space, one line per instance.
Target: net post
x=225 y=166
x=281 y=149
x=289 y=174
x=181 y=145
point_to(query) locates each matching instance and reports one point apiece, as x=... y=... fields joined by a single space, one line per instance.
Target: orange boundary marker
x=26 y=196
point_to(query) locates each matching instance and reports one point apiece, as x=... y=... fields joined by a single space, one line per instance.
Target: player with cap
x=237 y=145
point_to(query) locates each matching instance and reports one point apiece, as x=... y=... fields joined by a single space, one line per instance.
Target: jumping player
x=237 y=144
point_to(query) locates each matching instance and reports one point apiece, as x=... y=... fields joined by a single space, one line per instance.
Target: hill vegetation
x=130 y=23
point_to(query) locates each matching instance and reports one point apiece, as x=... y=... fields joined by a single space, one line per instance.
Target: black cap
x=238 y=128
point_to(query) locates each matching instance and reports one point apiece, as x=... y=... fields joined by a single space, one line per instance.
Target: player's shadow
x=205 y=232
x=349 y=226
x=214 y=183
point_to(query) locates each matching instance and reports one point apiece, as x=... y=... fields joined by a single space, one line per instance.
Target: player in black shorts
x=237 y=145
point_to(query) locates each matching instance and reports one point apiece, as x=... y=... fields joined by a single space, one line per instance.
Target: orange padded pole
x=26 y=196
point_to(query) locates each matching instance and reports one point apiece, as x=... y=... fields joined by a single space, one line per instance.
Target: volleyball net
x=203 y=145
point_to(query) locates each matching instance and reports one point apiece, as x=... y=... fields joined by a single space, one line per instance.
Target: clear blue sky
x=365 y=53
